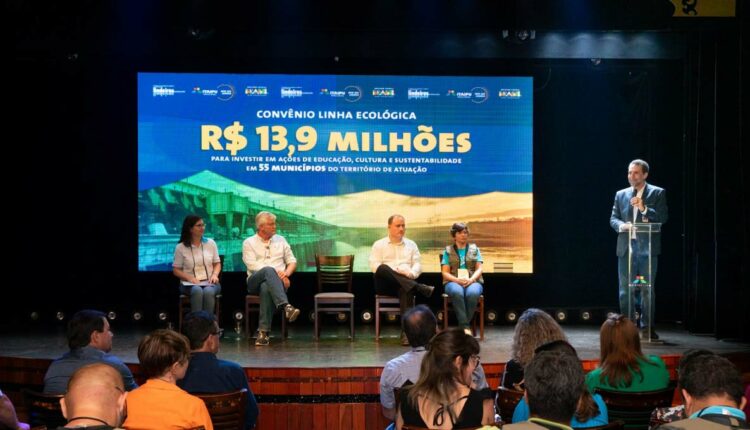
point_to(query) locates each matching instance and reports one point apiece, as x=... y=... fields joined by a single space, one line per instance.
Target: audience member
x=89 y=340
x=554 y=383
x=160 y=403
x=443 y=396
x=208 y=374
x=420 y=325
x=622 y=366
x=533 y=329
x=591 y=411
x=8 y=418
x=712 y=389
x=95 y=398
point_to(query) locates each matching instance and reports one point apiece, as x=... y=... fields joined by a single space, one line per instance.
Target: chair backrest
x=334 y=271
x=43 y=409
x=506 y=401
x=613 y=425
x=227 y=410
x=634 y=408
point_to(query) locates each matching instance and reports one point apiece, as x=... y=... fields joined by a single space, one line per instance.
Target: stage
x=334 y=349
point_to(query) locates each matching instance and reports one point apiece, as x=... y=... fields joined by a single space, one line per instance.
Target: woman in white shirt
x=197 y=264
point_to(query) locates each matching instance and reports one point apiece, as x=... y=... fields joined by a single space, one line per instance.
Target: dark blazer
x=655 y=199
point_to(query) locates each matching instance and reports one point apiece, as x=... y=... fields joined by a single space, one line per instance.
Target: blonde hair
x=534 y=328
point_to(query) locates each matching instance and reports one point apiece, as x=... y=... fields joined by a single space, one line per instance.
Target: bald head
x=96 y=390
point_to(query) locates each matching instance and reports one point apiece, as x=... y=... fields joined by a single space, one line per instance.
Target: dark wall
x=74 y=218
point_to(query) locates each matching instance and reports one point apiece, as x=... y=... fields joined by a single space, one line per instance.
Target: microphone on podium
x=635 y=214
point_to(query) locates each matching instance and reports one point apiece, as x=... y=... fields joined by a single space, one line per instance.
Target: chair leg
x=351 y=318
x=247 y=319
x=481 y=319
x=377 y=320
x=445 y=313
x=317 y=322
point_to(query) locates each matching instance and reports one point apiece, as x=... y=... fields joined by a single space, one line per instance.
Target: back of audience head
x=420 y=325
x=160 y=350
x=554 y=384
x=586 y=408
x=534 y=328
x=198 y=327
x=95 y=390
x=620 y=349
x=709 y=379
x=89 y=327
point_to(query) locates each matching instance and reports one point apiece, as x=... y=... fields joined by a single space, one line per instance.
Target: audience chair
x=613 y=425
x=43 y=409
x=506 y=401
x=183 y=307
x=478 y=315
x=227 y=410
x=634 y=409
x=334 y=272
x=388 y=304
x=252 y=306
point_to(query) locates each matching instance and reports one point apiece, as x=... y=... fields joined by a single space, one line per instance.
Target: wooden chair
x=252 y=306
x=336 y=272
x=478 y=315
x=634 y=409
x=506 y=401
x=227 y=410
x=183 y=307
x=43 y=409
x=388 y=304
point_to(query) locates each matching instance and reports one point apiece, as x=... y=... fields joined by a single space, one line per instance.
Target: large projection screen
x=333 y=156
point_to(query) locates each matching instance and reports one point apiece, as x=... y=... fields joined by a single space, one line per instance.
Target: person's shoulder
x=250 y=240
x=231 y=365
x=278 y=238
x=655 y=359
x=210 y=242
x=654 y=188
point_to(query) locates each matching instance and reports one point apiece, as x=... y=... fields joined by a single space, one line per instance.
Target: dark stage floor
x=334 y=349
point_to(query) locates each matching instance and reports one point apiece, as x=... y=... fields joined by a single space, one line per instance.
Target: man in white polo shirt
x=270 y=262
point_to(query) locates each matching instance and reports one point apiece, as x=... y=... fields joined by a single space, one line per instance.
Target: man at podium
x=641 y=203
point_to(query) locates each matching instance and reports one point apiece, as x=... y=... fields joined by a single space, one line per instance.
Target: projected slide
x=333 y=156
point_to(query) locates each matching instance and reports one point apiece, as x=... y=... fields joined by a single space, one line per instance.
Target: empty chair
x=43 y=409
x=634 y=408
x=334 y=272
x=227 y=410
x=387 y=304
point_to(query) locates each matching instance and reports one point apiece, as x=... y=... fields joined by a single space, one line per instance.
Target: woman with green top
x=622 y=366
x=462 y=274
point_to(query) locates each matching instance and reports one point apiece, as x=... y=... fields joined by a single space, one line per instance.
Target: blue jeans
x=202 y=298
x=643 y=297
x=464 y=301
x=267 y=284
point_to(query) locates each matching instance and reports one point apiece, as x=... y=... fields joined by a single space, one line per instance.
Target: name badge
x=200 y=273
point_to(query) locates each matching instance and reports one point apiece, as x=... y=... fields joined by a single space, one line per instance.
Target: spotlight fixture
x=137 y=316
x=440 y=316
x=311 y=316
x=34 y=316
x=342 y=317
x=238 y=316
x=511 y=316
x=111 y=315
x=392 y=317
x=60 y=315
x=561 y=316
x=163 y=316
x=491 y=316
x=610 y=313
x=366 y=316
x=518 y=36
x=585 y=315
